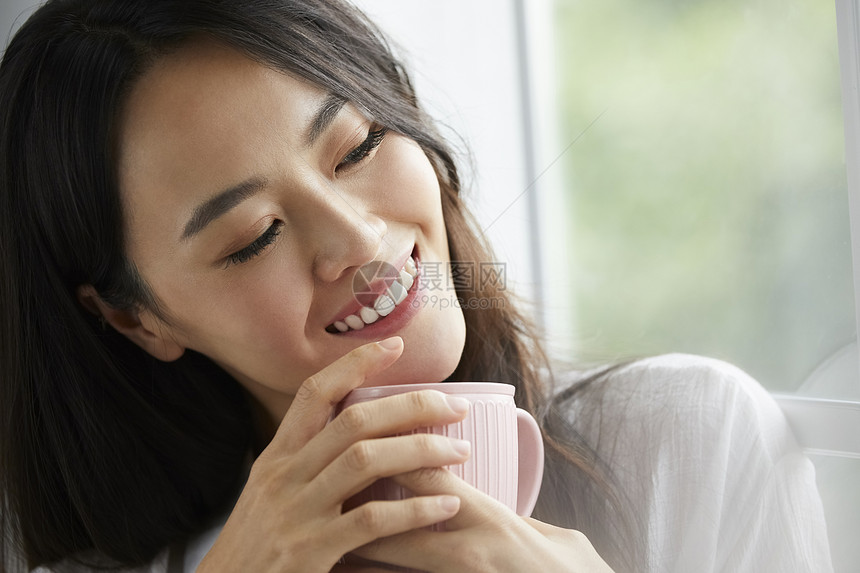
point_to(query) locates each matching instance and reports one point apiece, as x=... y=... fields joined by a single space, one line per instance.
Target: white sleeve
x=706 y=459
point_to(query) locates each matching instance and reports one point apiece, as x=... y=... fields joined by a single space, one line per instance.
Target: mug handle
x=530 y=454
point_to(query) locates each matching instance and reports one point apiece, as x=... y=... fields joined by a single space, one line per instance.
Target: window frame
x=825 y=426
x=848 y=32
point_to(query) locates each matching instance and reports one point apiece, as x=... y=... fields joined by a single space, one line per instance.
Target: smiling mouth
x=379 y=306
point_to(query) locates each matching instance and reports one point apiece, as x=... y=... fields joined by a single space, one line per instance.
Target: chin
x=428 y=358
x=408 y=370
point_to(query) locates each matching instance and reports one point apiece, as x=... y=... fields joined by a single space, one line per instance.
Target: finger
x=353 y=563
x=380 y=418
x=317 y=396
x=432 y=481
x=477 y=507
x=379 y=519
x=366 y=461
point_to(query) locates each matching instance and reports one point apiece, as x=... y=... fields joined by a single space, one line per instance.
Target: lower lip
x=394 y=321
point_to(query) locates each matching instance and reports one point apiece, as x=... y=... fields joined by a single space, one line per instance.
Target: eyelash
x=257 y=247
x=374 y=138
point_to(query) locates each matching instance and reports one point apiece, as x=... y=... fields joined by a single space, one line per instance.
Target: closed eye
x=364 y=149
x=258 y=246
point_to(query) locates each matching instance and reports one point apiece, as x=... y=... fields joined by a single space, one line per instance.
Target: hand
x=289 y=516
x=485 y=536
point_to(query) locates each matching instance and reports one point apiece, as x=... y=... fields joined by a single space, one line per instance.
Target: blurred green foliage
x=708 y=204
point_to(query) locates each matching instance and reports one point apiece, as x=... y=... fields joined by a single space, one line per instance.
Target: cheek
x=267 y=314
x=251 y=314
x=407 y=186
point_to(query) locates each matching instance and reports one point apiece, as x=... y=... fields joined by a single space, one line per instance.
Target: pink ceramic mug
x=507 y=449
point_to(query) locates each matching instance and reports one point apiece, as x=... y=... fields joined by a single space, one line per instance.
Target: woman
x=189 y=189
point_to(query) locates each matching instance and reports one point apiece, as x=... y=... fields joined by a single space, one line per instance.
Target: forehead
x=200 y=119
x=206 y=95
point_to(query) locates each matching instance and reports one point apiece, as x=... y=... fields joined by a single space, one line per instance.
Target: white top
x=708 y=461
x=705 y=458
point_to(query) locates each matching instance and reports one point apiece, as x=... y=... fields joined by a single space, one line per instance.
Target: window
x=706 y=200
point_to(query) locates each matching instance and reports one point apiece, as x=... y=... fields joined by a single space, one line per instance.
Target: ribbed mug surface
x=494 y=426
x=491 y=428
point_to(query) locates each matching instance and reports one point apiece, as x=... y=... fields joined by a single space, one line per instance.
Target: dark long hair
x=105 y=452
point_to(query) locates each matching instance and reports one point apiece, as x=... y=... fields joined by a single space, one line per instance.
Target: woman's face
x=252 y=199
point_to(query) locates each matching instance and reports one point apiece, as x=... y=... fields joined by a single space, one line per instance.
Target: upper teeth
x=384 y=303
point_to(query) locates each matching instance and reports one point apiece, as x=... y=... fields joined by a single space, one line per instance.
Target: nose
x=345 y=234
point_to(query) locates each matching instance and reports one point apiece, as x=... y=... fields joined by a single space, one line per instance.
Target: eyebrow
x=221 y=203
x=325 y=114
x=216 y=206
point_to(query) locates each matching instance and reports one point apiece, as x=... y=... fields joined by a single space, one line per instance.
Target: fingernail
x=459 y=405
x=392 y=343
x=462 y=447
x=449 y=503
